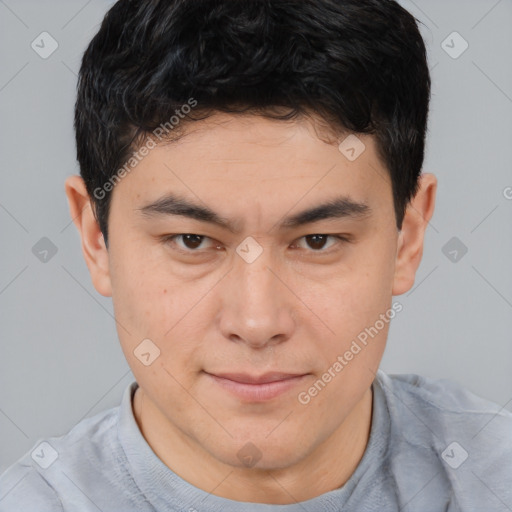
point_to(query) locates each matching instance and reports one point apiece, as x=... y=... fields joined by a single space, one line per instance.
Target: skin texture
x=294 y=309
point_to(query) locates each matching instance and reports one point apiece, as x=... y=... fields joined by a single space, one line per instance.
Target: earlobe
x=93 y=244
x=411 y=237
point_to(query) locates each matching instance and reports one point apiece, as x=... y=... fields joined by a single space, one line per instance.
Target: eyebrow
x=336 y=208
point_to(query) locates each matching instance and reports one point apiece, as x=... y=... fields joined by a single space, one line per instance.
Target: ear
x=93 y=245
x=410 y=239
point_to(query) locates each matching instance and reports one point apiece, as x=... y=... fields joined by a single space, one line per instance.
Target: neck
x=326 y=468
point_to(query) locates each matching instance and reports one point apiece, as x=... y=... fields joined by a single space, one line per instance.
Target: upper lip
x=245 y=378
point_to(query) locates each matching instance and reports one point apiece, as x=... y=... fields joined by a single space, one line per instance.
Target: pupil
x=187 y=238
x=316 y=245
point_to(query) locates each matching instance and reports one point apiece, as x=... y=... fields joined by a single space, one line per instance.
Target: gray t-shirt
x=433 y=447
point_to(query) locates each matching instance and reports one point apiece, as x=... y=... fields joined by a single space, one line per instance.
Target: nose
x=257 y=308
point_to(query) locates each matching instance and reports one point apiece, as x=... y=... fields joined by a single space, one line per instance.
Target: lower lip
x=258 y=392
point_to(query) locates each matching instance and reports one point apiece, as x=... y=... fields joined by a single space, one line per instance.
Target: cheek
x=356 y=306
x=143 y=304
x=150 y=302
x=140 y=283
x=347 y=302
x=138 y=295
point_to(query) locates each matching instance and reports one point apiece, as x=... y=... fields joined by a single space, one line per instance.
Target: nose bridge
x=257 y=283
x=257 y=309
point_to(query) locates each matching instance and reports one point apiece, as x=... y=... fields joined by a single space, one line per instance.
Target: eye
x=317 y=241
x=190 y=242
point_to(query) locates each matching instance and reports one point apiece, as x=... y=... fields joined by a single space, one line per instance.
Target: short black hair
x=360 y=65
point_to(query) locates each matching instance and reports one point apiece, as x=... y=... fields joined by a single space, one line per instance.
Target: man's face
x=261 y=303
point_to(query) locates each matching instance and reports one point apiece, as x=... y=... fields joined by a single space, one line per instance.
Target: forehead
x=235 y=161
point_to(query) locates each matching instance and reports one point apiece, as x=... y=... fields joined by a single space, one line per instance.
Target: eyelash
x=169 y=239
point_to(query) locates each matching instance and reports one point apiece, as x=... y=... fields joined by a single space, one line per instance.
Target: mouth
x=257 y=388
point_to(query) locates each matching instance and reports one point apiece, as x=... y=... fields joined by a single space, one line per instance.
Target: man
x=251 y=198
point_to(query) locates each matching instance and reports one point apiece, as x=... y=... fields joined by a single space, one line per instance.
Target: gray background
x=60 y=359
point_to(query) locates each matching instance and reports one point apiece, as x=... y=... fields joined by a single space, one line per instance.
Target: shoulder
x=445 y=408
x=46 y=473
x=24 y=489
x=442 y=401
x=446 y=430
